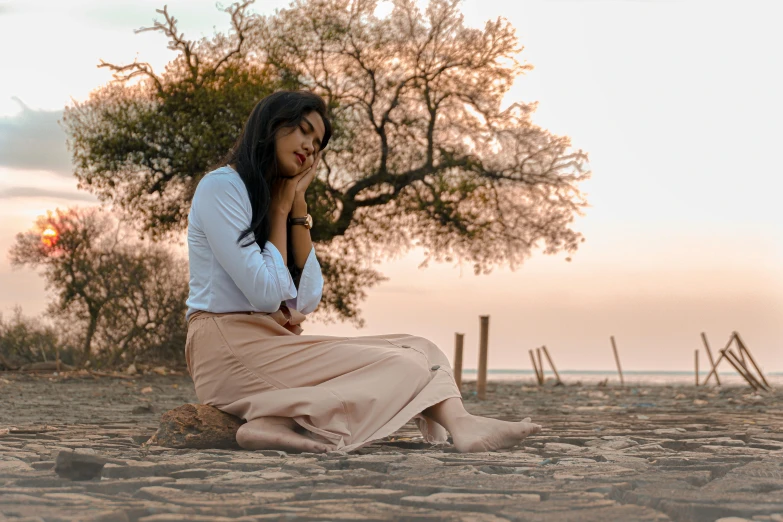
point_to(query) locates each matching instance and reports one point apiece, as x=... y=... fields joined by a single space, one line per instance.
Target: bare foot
x=477 y=434
x=277 y=433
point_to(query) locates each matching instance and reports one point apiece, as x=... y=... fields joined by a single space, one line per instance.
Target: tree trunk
x=88 y=340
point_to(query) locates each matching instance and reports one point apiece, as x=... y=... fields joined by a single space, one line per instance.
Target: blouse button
x=435 y=367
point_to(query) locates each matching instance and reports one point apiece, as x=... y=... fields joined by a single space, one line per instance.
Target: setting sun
x=49 y=236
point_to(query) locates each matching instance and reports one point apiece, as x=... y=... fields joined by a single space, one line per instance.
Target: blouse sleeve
x=261 y=275
x=311 y=285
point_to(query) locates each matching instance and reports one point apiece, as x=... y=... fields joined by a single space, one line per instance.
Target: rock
x=190 y=473
x=144 y=408
x=613 y=444
x=131 y=370
x=13 y=466
x=560 y=446
x=197 y=426
x=78 y=466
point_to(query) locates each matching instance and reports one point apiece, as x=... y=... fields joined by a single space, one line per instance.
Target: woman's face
x=296 y=148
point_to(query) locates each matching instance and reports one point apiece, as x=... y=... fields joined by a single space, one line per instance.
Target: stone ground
x=649 y=453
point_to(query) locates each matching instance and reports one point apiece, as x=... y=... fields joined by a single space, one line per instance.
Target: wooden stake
x=737 y=364
x=747 y=371
x=57 y=356
x=743 y=348
x=722 y=355
x=617 y=360
x=483 y=349
x=540 y=364
x=548 y=358
x=709 y=356
x=459 y=341
x=696 y=362
x=535 y=366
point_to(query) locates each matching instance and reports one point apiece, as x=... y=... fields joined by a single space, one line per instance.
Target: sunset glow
x=49 y=237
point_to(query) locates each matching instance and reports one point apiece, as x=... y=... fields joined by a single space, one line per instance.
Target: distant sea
x=630 y=377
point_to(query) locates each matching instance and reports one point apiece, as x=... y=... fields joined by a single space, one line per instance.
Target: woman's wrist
x=299 y=208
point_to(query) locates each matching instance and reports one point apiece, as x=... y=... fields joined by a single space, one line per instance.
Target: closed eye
x=316 y=140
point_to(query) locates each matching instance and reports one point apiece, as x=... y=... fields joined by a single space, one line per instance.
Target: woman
x=254 y=276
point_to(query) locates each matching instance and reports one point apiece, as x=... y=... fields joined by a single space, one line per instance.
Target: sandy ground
x=635 y=453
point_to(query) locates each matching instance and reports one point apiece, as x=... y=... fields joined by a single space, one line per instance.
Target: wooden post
x=459 y=341
x=57 y=356
x=712 y=362
x=696 y=363
x=617 y=360
x=535 y=366
x=722 y=356
x=743 y=348
x=737 y=364
x=540 y=364
x=548 y=358
x=483 y=348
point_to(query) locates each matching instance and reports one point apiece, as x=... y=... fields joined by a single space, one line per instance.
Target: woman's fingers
x=308 y=175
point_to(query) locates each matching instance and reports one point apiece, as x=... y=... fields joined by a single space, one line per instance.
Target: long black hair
x=254 y=158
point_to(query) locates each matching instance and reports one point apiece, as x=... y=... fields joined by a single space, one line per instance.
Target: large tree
x=423 y=153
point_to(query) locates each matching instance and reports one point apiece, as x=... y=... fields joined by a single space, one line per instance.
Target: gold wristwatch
x=307 y=221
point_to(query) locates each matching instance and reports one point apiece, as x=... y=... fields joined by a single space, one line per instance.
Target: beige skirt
x=348 y=391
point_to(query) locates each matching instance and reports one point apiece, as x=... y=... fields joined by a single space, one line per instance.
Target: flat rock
x=197 y=426
x=78 y=466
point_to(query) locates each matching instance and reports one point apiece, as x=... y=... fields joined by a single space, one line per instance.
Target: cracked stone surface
x=648 y=453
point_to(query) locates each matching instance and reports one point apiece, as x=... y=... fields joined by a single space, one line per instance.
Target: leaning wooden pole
x=722 y=356
x=743 y=348
x=617 y=360
x=540 y=364
x=737 y=364
x=483 y=349
x=459 y=342
x=712 y=362
x=552 y=364
x=747 y=371
x=535 y=366
x=696 y=364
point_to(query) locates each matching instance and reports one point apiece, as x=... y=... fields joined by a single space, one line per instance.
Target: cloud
x=33 y=140
x=34 y=192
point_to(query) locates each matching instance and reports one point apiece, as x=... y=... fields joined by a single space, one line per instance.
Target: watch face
x=309 y=221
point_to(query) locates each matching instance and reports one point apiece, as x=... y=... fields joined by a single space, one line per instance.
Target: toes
x=532 y=429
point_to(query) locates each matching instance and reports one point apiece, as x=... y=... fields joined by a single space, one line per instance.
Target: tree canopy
x=423 y=153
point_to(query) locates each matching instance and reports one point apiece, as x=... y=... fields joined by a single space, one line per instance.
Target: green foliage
x=422 y=153
x=144 y=145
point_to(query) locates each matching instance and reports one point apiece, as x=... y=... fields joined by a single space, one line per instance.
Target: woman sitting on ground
x=254 y=276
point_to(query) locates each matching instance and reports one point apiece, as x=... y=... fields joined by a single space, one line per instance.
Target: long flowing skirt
x=347 y=391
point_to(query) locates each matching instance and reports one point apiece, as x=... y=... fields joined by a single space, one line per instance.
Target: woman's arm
x=221 y=208
x=301 y=243
x=287 y=193
x=278 y=218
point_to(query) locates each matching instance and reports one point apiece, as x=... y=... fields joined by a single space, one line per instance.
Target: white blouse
x=226 y=277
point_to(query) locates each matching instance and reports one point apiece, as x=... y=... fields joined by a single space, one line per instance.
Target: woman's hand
x=299 y=207
x=284 y=193
x=288 y=192
x=307 y=176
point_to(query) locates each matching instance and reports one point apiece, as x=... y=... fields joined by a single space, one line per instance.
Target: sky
x=677 y=103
